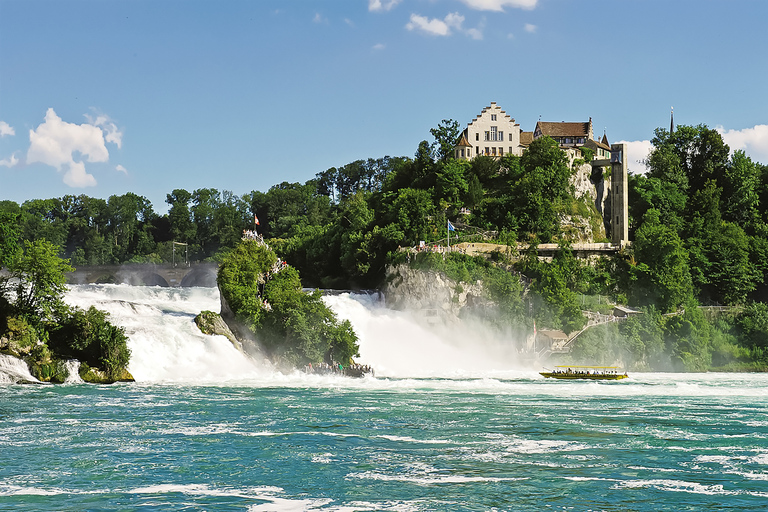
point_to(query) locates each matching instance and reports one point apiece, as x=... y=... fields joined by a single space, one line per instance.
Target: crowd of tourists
x=349 y=370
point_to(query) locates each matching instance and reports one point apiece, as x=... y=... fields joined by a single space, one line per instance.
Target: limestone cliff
x=432 y=293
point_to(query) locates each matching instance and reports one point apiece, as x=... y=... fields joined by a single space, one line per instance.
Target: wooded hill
x=697 y=222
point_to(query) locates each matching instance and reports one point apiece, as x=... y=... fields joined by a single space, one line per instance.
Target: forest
x=697 y=225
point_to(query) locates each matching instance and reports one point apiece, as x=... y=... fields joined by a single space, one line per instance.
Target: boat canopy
x=594 y=367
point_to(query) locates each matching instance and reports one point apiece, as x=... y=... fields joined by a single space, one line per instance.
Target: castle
x=494 y=133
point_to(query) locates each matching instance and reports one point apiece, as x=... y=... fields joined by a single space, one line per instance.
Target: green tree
x=38 y=278
x=10 y=234
x=446 y=136
x=661 y=276
x=88 y=336
x=180 y=216
x=452 y=184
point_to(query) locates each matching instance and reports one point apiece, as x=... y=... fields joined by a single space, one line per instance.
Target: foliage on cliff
x=38 y=326
x=293 y=326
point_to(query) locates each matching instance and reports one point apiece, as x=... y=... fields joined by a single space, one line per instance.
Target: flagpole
x=448 y=227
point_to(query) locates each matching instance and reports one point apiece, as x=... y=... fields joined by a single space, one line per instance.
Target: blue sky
x=114 y=96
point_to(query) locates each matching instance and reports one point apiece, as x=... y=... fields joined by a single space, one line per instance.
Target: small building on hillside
x=574 y=135
x=492 y=133
x=624 y=312
x=554 y=341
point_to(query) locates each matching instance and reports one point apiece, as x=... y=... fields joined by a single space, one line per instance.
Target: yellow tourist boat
x=586 y=372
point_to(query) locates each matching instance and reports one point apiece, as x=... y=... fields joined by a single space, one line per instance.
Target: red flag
x=256 y=220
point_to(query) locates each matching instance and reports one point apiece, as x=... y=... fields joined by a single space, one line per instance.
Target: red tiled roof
x=563 y=129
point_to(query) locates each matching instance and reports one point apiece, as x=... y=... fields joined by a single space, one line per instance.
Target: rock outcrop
x=212 y=323
x=432 y=293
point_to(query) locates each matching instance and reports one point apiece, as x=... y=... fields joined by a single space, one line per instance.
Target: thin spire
x=672 y=120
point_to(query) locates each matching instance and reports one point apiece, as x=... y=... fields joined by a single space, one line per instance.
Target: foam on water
x=13 y=370
x=165 y=343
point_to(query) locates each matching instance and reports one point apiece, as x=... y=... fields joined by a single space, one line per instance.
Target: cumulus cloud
x=111 y=132
x=10 y=161
x=378 y=5
x=6 y=129
x=447 y=26
x=435 y=26
x=56 y=142
x=753 y=141
x=530 y=28
x=498 y=5
x=121 y=169
x=637 y=153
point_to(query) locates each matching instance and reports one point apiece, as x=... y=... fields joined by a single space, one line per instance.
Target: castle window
x=510 y=149
x=501 y=136
x=501 y=151
x=477 y=136
x=494 y=133
x=487 y=136
x=493 y=117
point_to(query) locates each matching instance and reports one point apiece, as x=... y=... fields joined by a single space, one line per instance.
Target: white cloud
x=10 y=161
x=121 y=169
x=475 y=33
x=378 y=5
x=319 y=18
x=498 y=5
x=753 y=141
x=6 y=129
x=55 y=143
x=379 y=46
x=435 y=26
x=637 y=152
x=349 y=22
x=111 y=132
x=530 y=28
x=445 y=27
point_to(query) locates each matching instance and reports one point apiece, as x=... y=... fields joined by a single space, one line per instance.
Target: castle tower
x=619 y=199
x=671 y=120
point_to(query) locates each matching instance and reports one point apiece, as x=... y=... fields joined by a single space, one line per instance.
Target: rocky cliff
x=432 y=293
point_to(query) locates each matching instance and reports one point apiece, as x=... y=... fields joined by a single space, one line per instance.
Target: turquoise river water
x=206 y=428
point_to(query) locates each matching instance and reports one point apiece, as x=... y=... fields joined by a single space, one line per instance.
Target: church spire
x=671 y=120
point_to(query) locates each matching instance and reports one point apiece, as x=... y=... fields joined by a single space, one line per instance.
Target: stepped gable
x=495 y=107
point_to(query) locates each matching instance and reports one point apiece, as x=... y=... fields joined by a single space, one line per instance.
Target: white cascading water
x=400 y=344
x=73 y=375
x=14 y=370
x=166 y=345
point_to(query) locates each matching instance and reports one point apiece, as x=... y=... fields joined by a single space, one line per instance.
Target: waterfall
x=167 y=346
x=165 y=343
x=73 y=372
x=13 y=370
x=406 y=344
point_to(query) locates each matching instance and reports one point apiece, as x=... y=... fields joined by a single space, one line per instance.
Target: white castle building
x=493 y=133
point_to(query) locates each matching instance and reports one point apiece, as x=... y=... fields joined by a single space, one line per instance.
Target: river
x=461 y=425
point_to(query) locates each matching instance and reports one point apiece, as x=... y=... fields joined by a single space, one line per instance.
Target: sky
x=113 y=96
